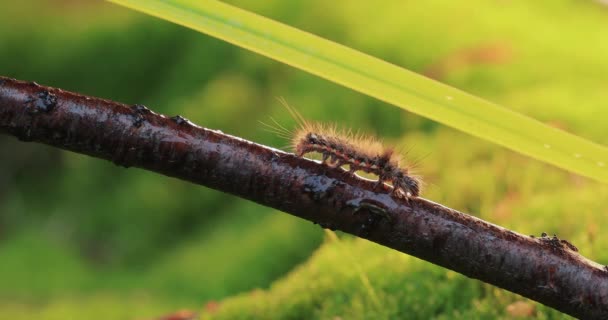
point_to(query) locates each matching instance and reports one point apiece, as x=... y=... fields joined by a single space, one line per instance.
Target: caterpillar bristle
x=339 y=147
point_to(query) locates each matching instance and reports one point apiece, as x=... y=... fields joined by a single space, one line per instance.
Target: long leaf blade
x=384 y=81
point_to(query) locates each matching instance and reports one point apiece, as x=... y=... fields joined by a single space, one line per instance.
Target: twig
x=545 y=269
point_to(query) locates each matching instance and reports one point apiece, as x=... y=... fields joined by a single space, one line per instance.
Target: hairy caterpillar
x=341 y=147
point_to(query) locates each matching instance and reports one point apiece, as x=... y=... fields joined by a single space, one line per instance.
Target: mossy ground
x=81 y=238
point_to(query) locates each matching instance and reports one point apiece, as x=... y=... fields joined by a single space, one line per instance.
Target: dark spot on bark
x=180 y=120
x=44 y=102
x=138 y=120
x=439 y=241
x=140 y=110
x=369 y=224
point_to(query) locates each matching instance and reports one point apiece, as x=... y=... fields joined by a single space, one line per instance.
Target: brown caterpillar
x=339 y=147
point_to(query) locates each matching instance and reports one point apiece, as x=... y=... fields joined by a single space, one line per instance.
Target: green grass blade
x=384 y=81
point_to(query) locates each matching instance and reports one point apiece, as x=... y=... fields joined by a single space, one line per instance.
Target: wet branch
x=544 y=269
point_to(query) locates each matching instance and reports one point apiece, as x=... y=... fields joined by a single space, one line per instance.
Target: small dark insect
x=340 y=147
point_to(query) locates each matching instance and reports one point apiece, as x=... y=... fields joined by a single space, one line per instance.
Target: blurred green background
x=82 y=238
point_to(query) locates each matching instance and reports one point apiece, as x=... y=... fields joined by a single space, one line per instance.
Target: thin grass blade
x=384 y=81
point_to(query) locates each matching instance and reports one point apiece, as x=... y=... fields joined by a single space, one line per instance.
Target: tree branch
x=544 y=269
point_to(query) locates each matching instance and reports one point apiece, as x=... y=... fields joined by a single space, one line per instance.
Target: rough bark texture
x=545 y=269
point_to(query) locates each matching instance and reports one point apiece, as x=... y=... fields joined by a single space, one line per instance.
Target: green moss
x=355 y=279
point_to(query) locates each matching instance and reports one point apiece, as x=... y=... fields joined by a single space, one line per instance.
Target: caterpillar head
x=409 y=185
x=306 y=143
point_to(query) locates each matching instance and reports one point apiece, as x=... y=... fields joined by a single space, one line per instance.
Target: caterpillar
x=343 y=147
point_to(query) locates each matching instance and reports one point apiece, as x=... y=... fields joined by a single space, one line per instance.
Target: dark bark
x=544 y=269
